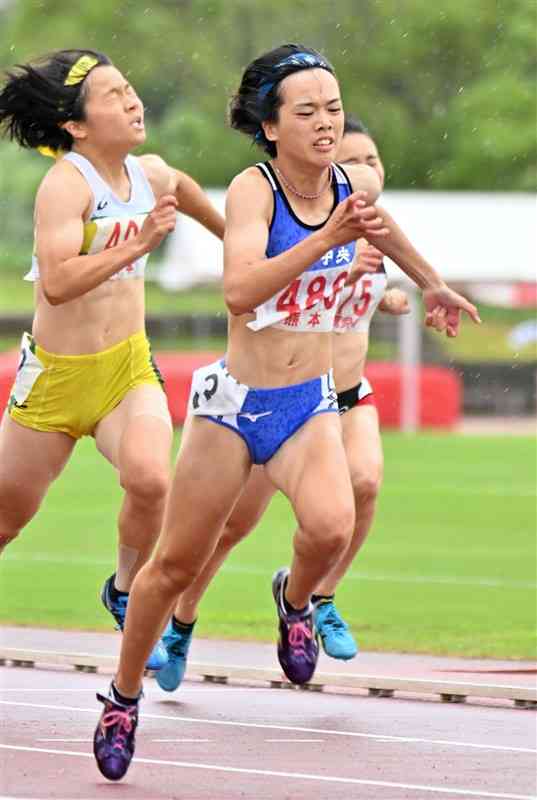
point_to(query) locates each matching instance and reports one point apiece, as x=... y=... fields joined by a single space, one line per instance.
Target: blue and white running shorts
x=264 y=418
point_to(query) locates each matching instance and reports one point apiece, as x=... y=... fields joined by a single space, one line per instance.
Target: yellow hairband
x=76 y=74
x=80 y=69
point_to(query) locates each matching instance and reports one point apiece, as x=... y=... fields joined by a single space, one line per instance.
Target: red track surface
x=208 y=742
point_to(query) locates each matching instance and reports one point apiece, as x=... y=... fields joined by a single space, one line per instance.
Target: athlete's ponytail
x=37 y=98
x=258 y=98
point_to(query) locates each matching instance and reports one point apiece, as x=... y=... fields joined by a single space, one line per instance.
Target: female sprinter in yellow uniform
x=271 y=401
x=86 y=368
x=357 y=302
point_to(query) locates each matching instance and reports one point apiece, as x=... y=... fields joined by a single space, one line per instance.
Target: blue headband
x=304 y=60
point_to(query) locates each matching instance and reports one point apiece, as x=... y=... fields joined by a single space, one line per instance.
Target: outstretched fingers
x=471 y=310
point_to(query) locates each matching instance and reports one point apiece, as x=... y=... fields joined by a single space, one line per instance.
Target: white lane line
x=151 y=695
x=299 y=729
x=447 y=488
x=247 y=569
x=181 y=741
x=293 y=741
x=51 y=739
x=304 y=776
x=426 y=683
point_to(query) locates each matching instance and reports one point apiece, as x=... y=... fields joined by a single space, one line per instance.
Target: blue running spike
x=177 y=644
x=336 y=638
x=118 y=608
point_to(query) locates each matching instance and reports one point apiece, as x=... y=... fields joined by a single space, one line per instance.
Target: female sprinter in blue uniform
x=86 y=368
x=366 y=290
x=272 y=400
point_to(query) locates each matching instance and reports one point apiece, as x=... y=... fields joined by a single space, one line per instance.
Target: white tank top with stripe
x=111 y=220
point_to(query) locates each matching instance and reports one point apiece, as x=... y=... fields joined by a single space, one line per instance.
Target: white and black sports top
x=309 y=303
x=111 y=220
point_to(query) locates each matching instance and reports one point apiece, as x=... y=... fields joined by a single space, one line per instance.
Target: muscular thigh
x=362 y=442
x=253 y=501
x=311 y=469
x=137 y=430
x=30 y=460
x=211 y=470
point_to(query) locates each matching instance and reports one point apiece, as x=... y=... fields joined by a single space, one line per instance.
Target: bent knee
x=147 y=484
x=367 y=485
x=330 y=531
x=174 y=577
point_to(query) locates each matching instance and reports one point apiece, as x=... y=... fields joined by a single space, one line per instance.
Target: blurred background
x=448 y=92
x=449 y=95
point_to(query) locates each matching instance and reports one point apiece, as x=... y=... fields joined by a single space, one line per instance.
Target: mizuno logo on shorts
x=254 y=417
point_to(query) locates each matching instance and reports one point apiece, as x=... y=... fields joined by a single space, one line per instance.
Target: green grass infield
x=449 y=566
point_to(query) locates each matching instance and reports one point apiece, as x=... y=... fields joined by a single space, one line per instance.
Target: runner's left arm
x=191 y=199
x=443 y=306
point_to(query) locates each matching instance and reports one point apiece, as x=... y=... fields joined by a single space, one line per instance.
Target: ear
x=76 y=129
x=270 y=131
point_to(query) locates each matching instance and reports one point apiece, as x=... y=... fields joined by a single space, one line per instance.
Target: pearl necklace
x=300 y=194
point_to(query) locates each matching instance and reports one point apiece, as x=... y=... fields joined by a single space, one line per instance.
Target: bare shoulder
x=159 y=174
x=251 y=189
x=64 y=188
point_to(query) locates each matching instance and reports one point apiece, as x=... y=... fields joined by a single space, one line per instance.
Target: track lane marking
x=293 y=741
x=182 y=741
x=294 y=728
x=448 y=580
x=53 y=739
x=294 y=775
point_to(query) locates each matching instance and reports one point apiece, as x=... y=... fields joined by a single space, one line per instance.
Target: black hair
x=258 y=97
x=34 y=100
x=355 y=125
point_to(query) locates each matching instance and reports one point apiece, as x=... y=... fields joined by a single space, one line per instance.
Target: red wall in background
x=440 y=387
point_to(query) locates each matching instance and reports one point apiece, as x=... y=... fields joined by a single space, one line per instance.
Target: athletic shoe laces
x=333 y=621
x=125 y=723
x=299 y=632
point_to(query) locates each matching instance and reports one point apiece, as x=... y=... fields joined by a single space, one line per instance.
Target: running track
x=211 y=742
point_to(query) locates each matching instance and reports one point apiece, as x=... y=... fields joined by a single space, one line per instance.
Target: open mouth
x=325 y=143
x=138 y=123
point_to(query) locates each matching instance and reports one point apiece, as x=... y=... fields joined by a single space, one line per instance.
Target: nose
x=324 y=122
x=132 y=101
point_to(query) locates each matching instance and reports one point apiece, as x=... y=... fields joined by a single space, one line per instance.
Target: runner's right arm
x=62 y=202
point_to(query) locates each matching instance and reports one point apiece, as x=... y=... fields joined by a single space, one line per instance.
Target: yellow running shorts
x=71 y=394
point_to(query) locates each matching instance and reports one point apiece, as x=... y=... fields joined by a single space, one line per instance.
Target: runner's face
x=114 y=112
x=310 y=120
x=359 y=148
